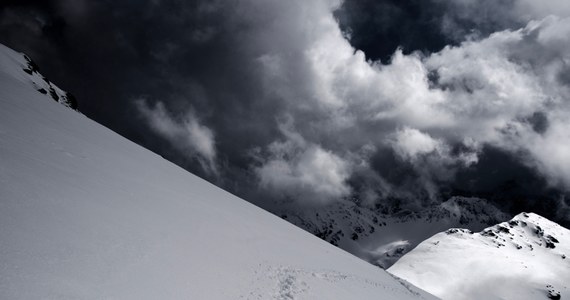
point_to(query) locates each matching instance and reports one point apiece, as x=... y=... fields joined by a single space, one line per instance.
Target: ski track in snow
x=291 y=283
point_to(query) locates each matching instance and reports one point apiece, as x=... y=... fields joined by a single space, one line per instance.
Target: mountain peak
x=523 y=258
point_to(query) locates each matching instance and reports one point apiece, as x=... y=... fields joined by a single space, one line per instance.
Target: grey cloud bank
x=270 y=100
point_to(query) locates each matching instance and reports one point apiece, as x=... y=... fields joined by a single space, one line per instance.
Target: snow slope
x=382 y=237
x=85 y=213
x=525 y=258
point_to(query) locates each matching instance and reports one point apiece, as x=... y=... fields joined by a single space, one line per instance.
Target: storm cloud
x=297 y=102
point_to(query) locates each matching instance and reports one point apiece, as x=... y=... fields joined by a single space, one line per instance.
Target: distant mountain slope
x=525 y=258
x=87 y=214
x=382 y=237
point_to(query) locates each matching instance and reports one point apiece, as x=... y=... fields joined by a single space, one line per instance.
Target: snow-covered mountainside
x=524 y=258
x=381 y=237
x=85 y=213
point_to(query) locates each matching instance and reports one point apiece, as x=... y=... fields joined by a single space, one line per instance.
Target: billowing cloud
x=488 y=91
x=302 y=171
x=190 y=137
x=507 y=91
x=432 y=158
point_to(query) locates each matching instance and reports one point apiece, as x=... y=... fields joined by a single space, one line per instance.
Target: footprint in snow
x=290 y=284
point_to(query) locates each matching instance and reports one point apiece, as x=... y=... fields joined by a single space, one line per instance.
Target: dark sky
x=311 y=102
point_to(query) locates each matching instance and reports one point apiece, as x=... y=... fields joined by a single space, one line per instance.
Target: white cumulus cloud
x=303 y=171
x=186 y=134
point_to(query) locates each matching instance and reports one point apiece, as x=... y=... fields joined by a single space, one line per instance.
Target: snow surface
x=85 y=213
x=525 y=258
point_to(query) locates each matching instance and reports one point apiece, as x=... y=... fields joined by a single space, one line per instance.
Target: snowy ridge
x=20 y=67
x=524 y=258
x=87 y=214
x=381 y=237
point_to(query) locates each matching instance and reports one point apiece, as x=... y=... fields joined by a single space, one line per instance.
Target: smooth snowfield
x=85 y=213
x=525 y=258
